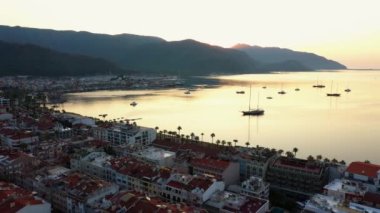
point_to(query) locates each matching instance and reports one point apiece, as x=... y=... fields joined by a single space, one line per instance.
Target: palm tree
x=326 y=160
x=217 y=142
x=157 y=128
x=247 y=144
x=192 y=135
x=223 y=142
x=179 y=129
x=310 y=158
x=212 y=137
x=229 y=143
x=187 y=137
x=196 y=138
x=295 y=150
x=289 y=154
x=319 y=157
x=343 y=162
x=280 y=151
x=235 y=141
x=202 y=135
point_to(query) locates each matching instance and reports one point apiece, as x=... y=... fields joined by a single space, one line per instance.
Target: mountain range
x=145 y=55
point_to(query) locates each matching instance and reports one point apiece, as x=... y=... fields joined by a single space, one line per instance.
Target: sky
x=344 y=30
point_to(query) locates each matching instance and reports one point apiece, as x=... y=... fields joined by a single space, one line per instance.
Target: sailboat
x=253 y=112
x=336 y=94
x=282 y=92
x=318 y=85
x=348 y=89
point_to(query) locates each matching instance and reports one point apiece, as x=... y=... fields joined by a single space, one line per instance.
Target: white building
x=366 y=173
x=120 y=134
x=255 y=187
x=345 y=189
x=156 y=156
x=323 y=204
x=227 y=202
x=95 y=163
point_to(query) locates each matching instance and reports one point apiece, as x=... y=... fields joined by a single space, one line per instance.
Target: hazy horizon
x=345 y=31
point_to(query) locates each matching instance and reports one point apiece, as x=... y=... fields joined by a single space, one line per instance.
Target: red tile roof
x=297 y=164
x=371 y=197
x=209 y=149
x=365 y=169
x=176 y=184
x=14 y=198
x=210 y=163
x=202 y=183
x=12 y=154
x=139 y=203
x=133 y=167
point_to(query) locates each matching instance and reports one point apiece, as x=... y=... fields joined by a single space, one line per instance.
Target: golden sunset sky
x=344 y=30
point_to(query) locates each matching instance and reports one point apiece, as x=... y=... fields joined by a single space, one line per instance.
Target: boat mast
x=258 y=99
x=249 y=104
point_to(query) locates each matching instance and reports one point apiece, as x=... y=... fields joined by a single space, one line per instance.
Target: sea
x=345 y=128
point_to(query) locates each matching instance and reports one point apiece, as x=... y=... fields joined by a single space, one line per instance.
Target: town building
x=156 y=156
x=136 y=175
x=16 y=139
x=123 y=134
x=94 y=163
x=297 y=176
x=71 y=191
x=324 y=204
x=327 y=204
x=346 y=190
x=227 y=202
x=227 y=171
x=15 y=162
x=132 y=201
x=16 y=199
x=366 y=173
x=255 y=187
x=255 y=161
x=194 y=189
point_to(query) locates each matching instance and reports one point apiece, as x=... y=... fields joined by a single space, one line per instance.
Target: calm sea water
x=346 y=128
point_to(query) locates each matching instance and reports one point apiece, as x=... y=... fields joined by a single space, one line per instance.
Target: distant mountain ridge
x=147 y=54
x=28 y=59
x=270 y=55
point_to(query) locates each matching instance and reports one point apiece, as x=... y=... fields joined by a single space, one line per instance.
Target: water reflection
x=346 y=127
